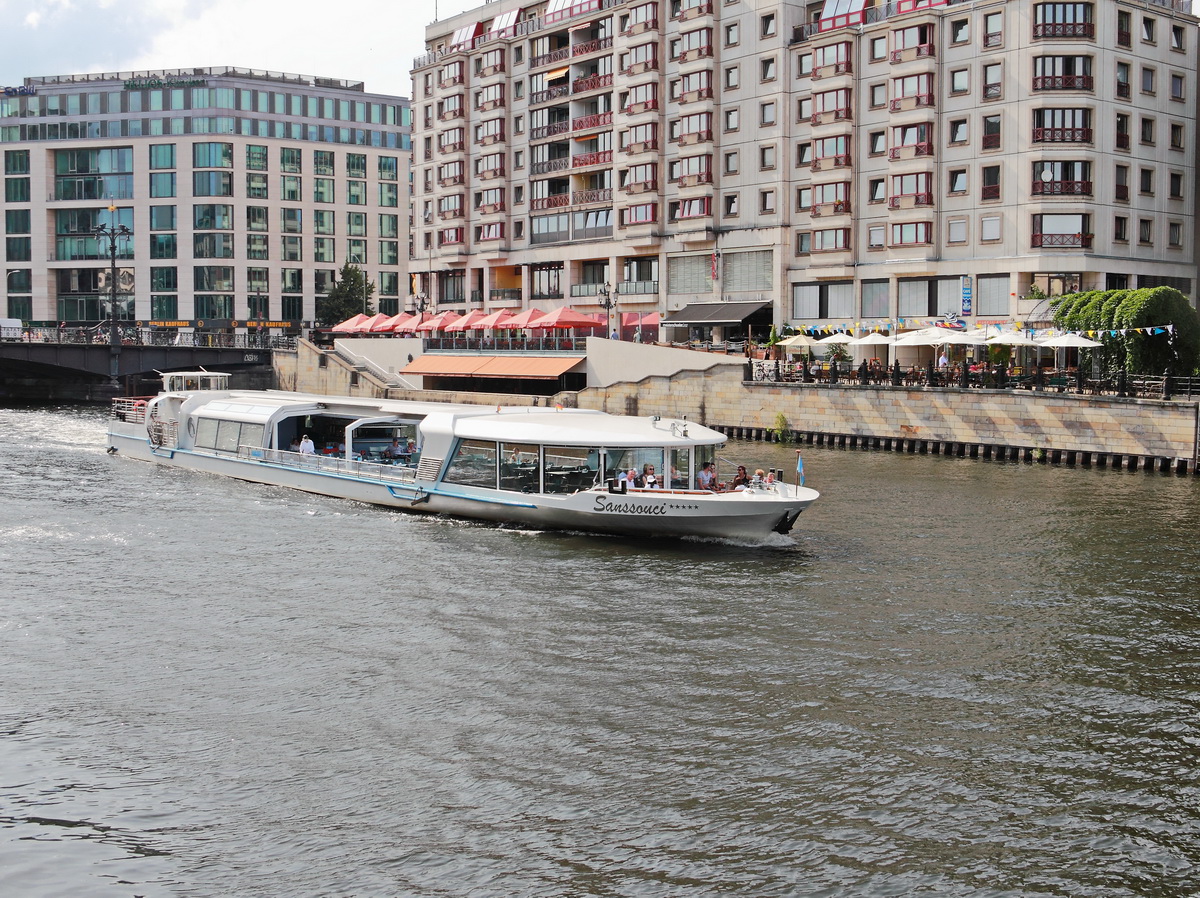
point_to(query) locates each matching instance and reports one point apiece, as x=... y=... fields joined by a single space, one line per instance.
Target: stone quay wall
x=973 y=422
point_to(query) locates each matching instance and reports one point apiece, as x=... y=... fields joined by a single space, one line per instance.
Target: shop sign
x=21 y=90
x=159 y=83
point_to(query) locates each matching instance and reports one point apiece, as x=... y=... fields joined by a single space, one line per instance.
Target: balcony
x=824 y=163
x=829 y=71
x=538 y=97
x=635 y=187
x=491 y=70
x=917 y=101
x=541 y=132
x=593 y=46
x=1062 y=135
x=490 y=208
x=489 y=139
x=641 y=28
x=841 y=207
x=450 y=181
x=550 y=165
x=595 y=120
x=696 y=179
x=695 y=12
x=1057 y=31
x=910 y=201
x=1121 y=193
x=637 y=288
x=554 y=201
x=447 y=114
x=694 y=96
x=993 y=39
x=911 y=151
x=549 y=58
x=1124 y=90
x=443 y=83
x=599 y=157
x=448 y=214
x=592 y=82
x=455 y=147
x=1063 y=82
x=989 y=192
x=694 y=137
x=644 y=106
x=643 y=146
x=488 y=174
x=830 y=115
x=488 y=105
x=990 y=141
x=1077 y=241
x=1122 y=141
x=695 y=53
x=908 y=54
x=594 y=195
x=637 y=68
x=1062 y=188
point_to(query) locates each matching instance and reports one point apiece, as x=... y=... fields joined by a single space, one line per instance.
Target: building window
x=993 y=29
x=1148 y=30
x=1146 y=231
x=1146 y=181
x=767 y=114
x=878 y=95
x=162 y=246
x=1176 y=86
x=957 y=181
x=1121 y=229
x=1176 y=182
x=766 y=202
x=960 y=31
x=1178 y=38
x=162 y=184
x=766 y=157
x=960 y=81
x=731 y=119
x=731 y=77
x=162 y=155
x=212 y=155
x=958 y=131
x=162 y=218
x=912 y=233
x=992 y=74
x=767 y=27
x=324 y=163
x=877 y=143
x=290 y=187
x=989 y=228
x=767 y=69
x=730 y=205
x=956 y=230
x=1147 y=80
x=1147 y=131
x=731 y=162
x=878 y=48
x=990 y=189
x=876 y=192
x=731 y=35
x=356 y=193
x=1176 y=136
x=1175 y=234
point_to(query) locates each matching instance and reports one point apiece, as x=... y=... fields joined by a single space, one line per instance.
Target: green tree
x=1115 y=314
x=348 y=296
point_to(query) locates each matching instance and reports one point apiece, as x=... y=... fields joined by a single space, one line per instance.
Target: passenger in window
x=648 y=479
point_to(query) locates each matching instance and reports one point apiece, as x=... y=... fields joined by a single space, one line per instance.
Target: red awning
x=516 y=366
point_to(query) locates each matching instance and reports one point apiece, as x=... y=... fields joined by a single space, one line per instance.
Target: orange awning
x=517 y=366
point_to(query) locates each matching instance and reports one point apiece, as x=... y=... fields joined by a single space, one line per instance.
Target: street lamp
x=423 y=298
x=112 y=232
x=609 y=302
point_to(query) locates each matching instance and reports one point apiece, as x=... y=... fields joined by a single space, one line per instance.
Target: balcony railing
x=450 y=180
x=1063 y=30
x=916 y=101
x=541 y=132
x=456 y=147
x=1062 y=188
x=595 y=120
x=639 y=107
x=911 y=151
x=637 y=288
x=592 y=46
x=450 y=82
x=910 y=200
x=990 y=141
x=641 y=27
x=1082 y=241
x=822 y=163
x=1121 y=193
x=550 y=165
x=592 y=82
x=989 y=192
x=641 y=186
x=1122 y=141
x=505 y=294
x=599 y=157
x=1124 y=90
x=487 y=174
x=540 y=203
x=553 y=56
x=1062 y=135
x=551 y=93
x=642 y=146
x=827 y=71
x=594 y=195
x=921 y=51
x=819 y=210
x=1063 y=82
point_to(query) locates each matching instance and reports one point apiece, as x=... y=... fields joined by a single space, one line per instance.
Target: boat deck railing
x=330 y=464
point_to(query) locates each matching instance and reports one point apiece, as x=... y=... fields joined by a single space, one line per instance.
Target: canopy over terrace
x=542 y=375
x=721 y=314
x=349 y=325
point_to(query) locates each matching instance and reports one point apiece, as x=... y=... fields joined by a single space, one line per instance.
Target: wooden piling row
x=1070 y=458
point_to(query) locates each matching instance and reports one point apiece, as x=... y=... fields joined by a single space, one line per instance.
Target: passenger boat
x=541 y=468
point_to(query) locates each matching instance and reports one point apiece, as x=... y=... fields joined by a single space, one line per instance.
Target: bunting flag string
x=893 y=324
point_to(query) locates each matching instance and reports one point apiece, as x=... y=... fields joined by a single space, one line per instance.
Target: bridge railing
x=143 y=336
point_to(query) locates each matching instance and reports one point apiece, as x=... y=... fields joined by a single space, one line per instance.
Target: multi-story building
x=245 y=192
x=826 y=162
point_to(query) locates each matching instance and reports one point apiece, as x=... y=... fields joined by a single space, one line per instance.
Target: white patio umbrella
x=938 y=336
x=838 y=337
x=873 y=339
x=1012 y=338
x=797 y=342
x=1069 y=341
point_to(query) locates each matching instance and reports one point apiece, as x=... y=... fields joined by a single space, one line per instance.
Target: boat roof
x=574 y=427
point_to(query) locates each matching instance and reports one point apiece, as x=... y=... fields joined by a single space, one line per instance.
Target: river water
x=957 y=677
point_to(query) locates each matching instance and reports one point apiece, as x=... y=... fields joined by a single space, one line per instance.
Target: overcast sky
x=363 y=40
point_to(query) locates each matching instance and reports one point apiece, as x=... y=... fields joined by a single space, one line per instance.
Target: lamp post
x=112 y=232
x=608 y=302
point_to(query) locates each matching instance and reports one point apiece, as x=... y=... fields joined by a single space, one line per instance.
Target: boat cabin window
x=618 y=460
x=473 y=464
x=680 y=470
x=520 y=467
x=570 y=468
x=226 y=436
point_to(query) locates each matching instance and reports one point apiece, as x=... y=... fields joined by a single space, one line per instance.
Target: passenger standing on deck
x=307 y=447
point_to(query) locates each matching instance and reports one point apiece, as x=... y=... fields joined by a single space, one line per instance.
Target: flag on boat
x=799 y=468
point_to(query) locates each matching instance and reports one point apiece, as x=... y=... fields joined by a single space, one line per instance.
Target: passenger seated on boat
x=648 y=480
x=307 y=447
x=295 y=447
x=707 y=478
x=393 y=450
x=741 y=479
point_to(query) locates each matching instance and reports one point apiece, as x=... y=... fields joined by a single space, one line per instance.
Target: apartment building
x=804 y=163
x=244 y=191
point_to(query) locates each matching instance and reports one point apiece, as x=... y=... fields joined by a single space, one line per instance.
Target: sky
x=374 y=41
